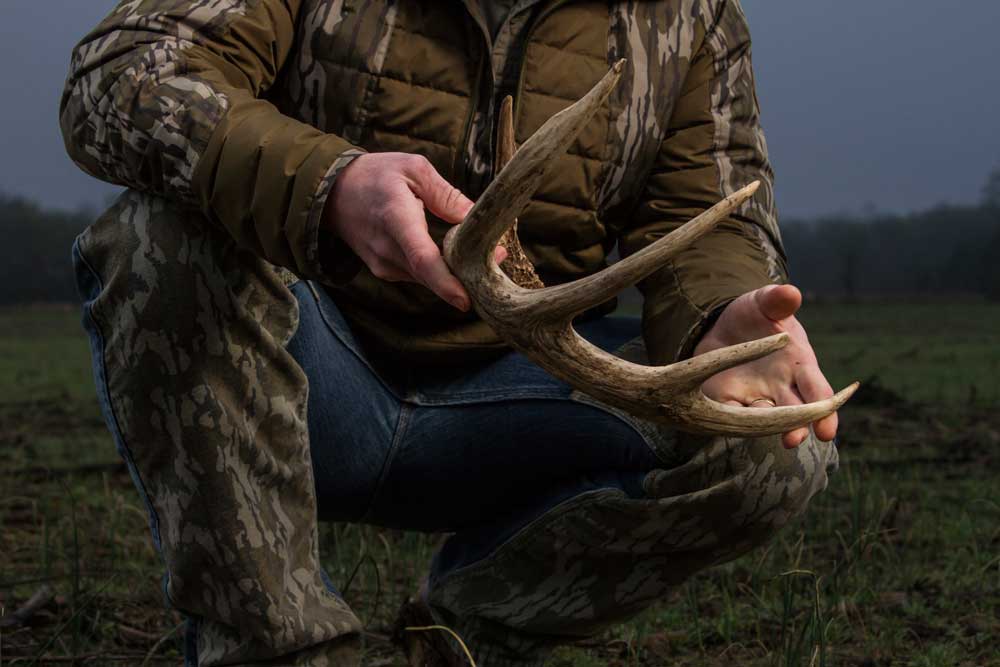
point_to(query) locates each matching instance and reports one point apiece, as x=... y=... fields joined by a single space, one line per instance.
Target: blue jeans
x=476 y=451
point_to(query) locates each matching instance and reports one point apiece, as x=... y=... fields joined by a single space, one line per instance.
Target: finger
x=388 y=271
x=813 y=386
x=795 y=437
x=439 y=196
x=427 y=267
x=381 y=255
x=500 y=254
x=778 y=302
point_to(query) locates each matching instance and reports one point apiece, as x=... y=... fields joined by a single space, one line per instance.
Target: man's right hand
x=377 y=208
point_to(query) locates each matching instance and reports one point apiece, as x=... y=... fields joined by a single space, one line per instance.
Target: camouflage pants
x=190 y=339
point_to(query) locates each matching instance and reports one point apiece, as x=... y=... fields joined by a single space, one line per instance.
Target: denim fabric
x=477 y=450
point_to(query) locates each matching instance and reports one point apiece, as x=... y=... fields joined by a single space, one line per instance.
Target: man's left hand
x=790 y=376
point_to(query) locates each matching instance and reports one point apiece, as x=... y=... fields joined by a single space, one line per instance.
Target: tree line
x=35 y=263
x=948 y=250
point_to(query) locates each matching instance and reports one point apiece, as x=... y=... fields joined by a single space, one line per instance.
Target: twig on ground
x=444 y=628
x=136 y=633
x=38 y=601
x=150 y=656
x=76 y=613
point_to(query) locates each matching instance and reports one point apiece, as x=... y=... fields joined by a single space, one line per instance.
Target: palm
x=790 y=376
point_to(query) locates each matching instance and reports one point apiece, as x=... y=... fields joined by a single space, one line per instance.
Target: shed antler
x=538 y=322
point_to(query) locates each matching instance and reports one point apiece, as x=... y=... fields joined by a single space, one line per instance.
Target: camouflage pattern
x=709 y=146
x=714 y=500
x=737 y=131
x=154 y=102
x=601 y=557
x=139 y=116
x=231 y=120
x=208 y=409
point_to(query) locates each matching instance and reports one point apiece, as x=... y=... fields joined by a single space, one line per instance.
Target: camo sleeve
x=164 y=96
x=712 y=147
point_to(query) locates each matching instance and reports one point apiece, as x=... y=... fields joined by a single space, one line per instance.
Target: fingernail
x=461 y=304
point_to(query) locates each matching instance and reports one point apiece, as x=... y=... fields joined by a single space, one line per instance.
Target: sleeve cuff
x=683 y=300
x=327 y=258
x=673 y=326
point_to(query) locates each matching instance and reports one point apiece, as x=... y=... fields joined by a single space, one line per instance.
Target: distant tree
x=35 y=255
x=848 y=252
x=991 y=191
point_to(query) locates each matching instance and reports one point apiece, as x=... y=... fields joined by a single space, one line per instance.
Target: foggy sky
x=885 y=104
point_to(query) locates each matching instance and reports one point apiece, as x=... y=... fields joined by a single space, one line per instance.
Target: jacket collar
x=473 y=7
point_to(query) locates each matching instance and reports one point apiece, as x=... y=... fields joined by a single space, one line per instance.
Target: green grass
x=940 y=352
x=897 y=563
x=44 y=356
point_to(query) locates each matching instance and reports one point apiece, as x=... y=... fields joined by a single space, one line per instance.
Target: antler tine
x=511 y=190
x=563 y=302
x=691 y=373
x=669 y=394
x=704 y=415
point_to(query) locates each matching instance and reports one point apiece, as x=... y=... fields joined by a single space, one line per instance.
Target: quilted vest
x=408 y=76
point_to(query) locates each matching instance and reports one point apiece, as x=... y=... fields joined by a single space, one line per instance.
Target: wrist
x=338 y=261
x=701 y=339
x=336 y=210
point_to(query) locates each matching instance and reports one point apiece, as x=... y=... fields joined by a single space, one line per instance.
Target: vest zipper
x=461 y=166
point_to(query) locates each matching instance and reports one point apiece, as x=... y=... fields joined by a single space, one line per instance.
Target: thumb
x=777 y=302
x=439 y=196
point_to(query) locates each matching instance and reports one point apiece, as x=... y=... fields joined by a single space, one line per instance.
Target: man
x=276 y=336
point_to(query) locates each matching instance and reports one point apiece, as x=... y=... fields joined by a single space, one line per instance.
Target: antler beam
x=538 y=321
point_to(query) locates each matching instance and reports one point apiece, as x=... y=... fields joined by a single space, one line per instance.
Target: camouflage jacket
x=245 y=110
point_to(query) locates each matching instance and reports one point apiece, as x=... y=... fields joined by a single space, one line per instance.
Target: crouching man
x=277 y=339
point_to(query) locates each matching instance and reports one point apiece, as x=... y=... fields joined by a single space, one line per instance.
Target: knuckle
x=380 y=247
x=391 y=216
x=382 y=215
x=421 y=165
x=382 y=271
x=421 y=259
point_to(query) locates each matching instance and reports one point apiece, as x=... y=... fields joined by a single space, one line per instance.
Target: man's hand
x=377 y=208
x=790 y=376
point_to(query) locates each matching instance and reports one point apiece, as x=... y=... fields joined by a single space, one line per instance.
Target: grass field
x=898 y=563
